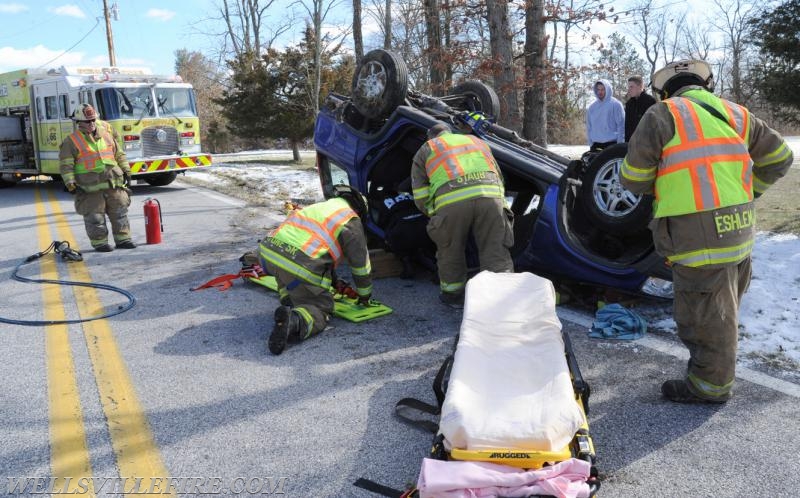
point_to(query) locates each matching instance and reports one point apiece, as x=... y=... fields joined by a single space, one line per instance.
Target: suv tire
x=606 y=202
x=380 y=84
x=478 y=96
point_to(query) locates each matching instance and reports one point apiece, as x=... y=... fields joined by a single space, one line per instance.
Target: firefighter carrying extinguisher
x=302 y=254
x=94 y=169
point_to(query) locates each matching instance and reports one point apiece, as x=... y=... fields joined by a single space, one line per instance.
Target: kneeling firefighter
x=302 y=254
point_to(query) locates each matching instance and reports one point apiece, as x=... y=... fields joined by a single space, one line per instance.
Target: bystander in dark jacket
x=638 y=103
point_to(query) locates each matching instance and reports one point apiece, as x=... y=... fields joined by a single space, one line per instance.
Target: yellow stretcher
x=512 y=393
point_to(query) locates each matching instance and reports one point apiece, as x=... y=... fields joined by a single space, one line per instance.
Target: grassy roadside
x=778 y=210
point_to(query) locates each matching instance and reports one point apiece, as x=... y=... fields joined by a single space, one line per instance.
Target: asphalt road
x=182 y=386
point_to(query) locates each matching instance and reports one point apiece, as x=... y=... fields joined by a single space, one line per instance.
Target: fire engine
x=155 y=118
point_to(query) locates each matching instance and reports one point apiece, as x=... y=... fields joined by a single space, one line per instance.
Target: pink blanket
x=458 y=479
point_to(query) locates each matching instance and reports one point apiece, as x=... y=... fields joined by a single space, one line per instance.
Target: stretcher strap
x=382 y=490
x=407 y=406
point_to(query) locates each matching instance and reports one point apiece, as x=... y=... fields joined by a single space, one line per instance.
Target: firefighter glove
x=72 y=188
x=340 y=285
x=127 y=179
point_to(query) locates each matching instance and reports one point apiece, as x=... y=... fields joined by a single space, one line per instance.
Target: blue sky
x=147 y=34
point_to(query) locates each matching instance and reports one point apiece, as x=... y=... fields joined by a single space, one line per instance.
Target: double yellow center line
x=134 y=447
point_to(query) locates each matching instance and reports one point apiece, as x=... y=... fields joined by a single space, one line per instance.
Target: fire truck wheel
x=161 y=179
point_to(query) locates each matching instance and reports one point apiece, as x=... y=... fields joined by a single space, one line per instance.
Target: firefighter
x=94 y=168
x=302 y=254
x=705 y=159
x=404 y=227
x=458 y=184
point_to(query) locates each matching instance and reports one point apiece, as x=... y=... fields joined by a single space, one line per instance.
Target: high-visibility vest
x=92 y=156
x=706 y=164
x=316 y=228
x=455 y=156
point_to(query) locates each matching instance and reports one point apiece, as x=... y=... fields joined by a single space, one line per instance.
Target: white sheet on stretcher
x=510 y=385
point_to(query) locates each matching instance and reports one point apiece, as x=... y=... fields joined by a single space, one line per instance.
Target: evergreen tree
x=271 y=96
x=617 y=62
x=777 y=34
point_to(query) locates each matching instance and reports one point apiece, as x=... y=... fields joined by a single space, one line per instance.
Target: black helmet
x=353 y=197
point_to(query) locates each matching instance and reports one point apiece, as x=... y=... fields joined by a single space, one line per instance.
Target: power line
x=96 y=23
x=31 y=28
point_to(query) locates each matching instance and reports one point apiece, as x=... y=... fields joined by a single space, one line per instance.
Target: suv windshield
x=138 y=102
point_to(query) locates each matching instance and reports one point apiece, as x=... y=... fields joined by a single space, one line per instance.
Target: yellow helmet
x=667 y=80
x=84 y=112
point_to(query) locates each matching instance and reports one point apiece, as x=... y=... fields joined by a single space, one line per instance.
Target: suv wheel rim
x=610 y=197
x=372 y=80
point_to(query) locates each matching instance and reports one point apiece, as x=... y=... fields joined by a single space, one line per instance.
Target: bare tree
x=244 y=21
x=732 y=18
x=381 y=12
x=434 y=36
x=671 y=41
x=503 y=62
x=571 y=15
x=358 y=40
x=206 y=79
x=408 y=38
x=387 y=23
x=318 y=11
x=534 y=126
x=696 y=40
x=648 y=30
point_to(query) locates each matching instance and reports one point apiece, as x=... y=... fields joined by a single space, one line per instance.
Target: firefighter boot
x=678 y=390
x=452 y=299
x=287 y=324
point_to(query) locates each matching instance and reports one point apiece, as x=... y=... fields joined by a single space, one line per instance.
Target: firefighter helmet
x=675 y=75
x=354 y=198
x=84 y=112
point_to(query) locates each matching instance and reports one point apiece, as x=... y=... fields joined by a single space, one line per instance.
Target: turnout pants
x=449 y=228
x=95 y=206
x=706 y=310
x=314 y=304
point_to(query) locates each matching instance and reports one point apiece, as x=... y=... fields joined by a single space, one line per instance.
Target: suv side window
x=331 y=174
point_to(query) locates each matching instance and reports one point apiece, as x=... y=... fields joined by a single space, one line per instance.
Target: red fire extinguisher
x=153 y=224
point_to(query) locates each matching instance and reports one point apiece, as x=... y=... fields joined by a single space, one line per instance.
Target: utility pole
x=112 y=59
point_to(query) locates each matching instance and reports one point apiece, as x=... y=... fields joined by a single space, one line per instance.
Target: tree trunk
x=434 y=36
x=295 y=150
x=358 y=40
x=447 y=62
x=503 y=63
x=317 y=81
x=387 y=26
x=535 y=123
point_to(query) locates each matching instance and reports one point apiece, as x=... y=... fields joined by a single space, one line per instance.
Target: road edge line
x=662 y=346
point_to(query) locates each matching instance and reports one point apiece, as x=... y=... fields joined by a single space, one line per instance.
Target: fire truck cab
x=154 y=116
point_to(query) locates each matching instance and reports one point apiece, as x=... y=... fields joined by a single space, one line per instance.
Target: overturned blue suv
x=573 y=221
